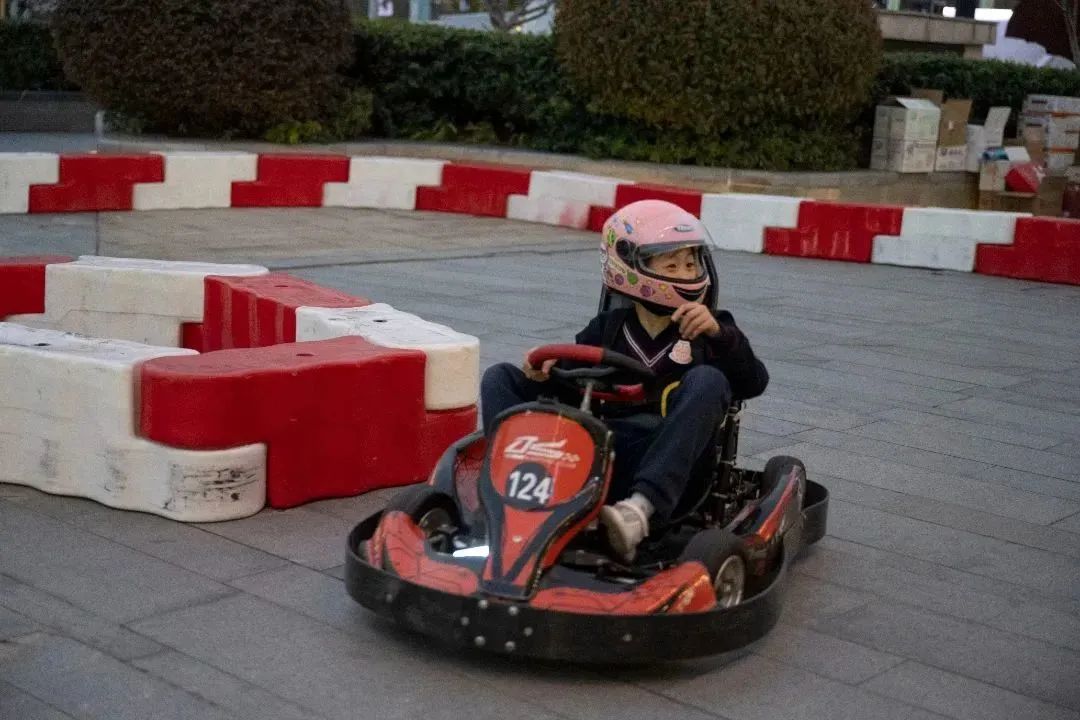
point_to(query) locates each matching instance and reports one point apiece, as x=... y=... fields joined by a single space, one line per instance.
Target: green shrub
x=28 y=60
x=717 y=66
x=204 y=67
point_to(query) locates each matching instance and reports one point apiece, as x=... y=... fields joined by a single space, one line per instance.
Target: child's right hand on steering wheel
x=541 y=374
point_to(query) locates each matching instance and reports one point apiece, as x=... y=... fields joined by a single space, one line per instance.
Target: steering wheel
x=605 y=364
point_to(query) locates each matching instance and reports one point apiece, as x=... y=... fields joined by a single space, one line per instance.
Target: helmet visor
x=649 y=260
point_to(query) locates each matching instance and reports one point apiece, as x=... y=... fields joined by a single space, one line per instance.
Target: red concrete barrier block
x=321 y=408
x=835 y=231
x=598 y=216
x=260 y=310
x=290 y=181
x=22 y=283
x=1044 y=249
x=96 y=182
x=475 y=189
x=688 y=200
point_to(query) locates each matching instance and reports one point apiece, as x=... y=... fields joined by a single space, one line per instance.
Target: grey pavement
x=942 y=410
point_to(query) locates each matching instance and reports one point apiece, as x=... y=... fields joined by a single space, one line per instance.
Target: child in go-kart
x=652 y=254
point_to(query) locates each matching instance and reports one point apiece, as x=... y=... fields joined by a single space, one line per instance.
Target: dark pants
x=655 y=456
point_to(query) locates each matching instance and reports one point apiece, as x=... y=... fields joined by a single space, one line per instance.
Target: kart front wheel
x=433 y=512
x=721 y=552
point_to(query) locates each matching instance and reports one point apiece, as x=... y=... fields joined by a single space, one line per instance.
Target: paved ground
x=942 y=410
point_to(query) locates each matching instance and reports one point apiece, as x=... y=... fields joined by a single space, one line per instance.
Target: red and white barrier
x=383 y=182
x=738 y=222
x=196 y=180
x=369 y=398
x=452 y=372
x=944 y=239
x=143 y=301
x=18 y=172
x=563 y=198
x=968 y=241
x=67 y=426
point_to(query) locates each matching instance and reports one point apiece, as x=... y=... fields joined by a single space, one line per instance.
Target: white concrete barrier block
x=383 y=182
x=548 y=210
x=452 y=372
x=69 y=427
x=159 y=330
x=737 y=221
x=196 y=180
x=981 y=225
x=944 y=239
x=578 y=187
x=388 y=196
x=925 y=251
x=133 y=286
x=18 y=171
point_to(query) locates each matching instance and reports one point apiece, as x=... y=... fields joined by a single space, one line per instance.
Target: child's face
x=677 y=264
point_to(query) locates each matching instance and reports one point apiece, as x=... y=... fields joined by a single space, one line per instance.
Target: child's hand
x=541 y=374
x=695 y=319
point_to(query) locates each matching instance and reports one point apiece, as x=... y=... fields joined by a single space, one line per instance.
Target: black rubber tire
x=716 y=549
x=419 y=501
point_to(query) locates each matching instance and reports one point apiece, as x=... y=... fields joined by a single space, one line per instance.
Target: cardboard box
x=992 y=175
x=879 y=154
x=996 y=120
x=907 y=120
x=1058 y=162
x=951 y=159
x=952 y=136
x=912 y=157
x=1034 y=139
x=1060 y=131
x=990 y=134
x=1052 y=104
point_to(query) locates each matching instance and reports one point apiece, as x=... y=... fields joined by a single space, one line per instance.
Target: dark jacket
x=729 y=352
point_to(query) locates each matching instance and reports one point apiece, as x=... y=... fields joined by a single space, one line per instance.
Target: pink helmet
x=640 y=231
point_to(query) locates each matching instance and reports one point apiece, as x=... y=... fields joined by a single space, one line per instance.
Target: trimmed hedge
x=722 y=66
x=204 y=67
x=28 y=60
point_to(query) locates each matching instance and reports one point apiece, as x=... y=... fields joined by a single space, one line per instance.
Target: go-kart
x=501 y=549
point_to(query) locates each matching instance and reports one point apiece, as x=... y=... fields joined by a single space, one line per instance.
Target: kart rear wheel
x=433 y=512
x=721 y=552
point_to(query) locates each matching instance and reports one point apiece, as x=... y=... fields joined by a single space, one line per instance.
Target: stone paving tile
x=960 y=697
x=946 y=371
x=955 y=516
x=1036 y=621
x=937 y=462
x=824 y=654
x=92 y=573
x=972 y=448
x=1071 y=524
x=986 y=654
x=939 y=487
x=18 y=705
x=869 y=575
x=1044 y=422
x=178 y=543
x=88 y=684
x=997 y=433
x=13 y=625
x=298 y=534
x=62 y=617
x=240 y=699
x=758 y=688
x=301 y=658
x=990 y=557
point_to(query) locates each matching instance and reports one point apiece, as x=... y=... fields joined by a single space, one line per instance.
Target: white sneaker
x=627 y=523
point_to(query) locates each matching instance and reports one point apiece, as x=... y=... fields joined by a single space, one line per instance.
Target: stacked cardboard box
x=905 y=135
x=1058 y=118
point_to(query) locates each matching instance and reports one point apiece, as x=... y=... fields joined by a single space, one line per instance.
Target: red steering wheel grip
x=623 y=393
x=574 y=353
